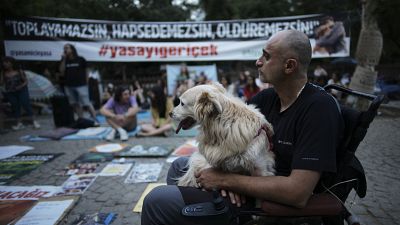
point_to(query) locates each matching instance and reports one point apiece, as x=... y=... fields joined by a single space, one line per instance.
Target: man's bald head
x=293 y=43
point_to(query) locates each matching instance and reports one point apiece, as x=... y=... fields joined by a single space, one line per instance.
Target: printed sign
x=40 y=38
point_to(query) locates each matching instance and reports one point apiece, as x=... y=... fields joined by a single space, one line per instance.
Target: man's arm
x=107 y=112
x=294 y=190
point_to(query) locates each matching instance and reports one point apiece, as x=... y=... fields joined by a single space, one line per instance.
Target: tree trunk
x=369 y=49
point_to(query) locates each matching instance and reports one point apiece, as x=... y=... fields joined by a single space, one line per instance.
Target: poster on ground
x=78 y=168
x=149 y=187
x=186 y=149
x=47 y=212
x=116 y=169
x=108 y=148
x=11 y=150
x=144 y=173
x=13 y=210
x=143 y=151
x=16 y=166
x=77 y=184
x=28 y=192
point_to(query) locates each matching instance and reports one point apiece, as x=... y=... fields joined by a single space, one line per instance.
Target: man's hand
x=211 y=178
x=235 y=198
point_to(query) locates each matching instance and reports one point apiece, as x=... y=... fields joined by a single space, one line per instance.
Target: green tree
x=143 y=10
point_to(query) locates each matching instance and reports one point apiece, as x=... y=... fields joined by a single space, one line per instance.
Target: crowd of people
x=73 y=76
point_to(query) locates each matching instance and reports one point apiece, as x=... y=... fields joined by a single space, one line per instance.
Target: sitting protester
x=160 y=108
x=120 y=111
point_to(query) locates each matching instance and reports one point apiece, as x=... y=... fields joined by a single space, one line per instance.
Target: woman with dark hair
x=16 y=91
x=251 y=88
x=160 y=108
x=226 y=82
x=137 y=91
x=120 y=111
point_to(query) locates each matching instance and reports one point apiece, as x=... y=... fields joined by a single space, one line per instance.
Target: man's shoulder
x=263 y=96
x=318 y=96
x=268 y=92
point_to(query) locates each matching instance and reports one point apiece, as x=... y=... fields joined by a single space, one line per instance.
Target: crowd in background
x=86 y=92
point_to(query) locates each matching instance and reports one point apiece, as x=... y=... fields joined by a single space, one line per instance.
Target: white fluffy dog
x=234 y=137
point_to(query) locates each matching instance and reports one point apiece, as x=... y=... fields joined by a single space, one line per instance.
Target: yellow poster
x=139 y=204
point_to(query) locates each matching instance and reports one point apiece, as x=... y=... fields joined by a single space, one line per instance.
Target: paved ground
x=379 y=153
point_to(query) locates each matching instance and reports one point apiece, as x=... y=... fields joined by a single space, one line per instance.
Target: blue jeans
x=20 y=99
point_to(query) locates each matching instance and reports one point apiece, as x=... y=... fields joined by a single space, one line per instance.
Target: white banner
x=42 y=38
x=147 y=51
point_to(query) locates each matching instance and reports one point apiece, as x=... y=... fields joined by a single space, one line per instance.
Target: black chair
x=327 y=206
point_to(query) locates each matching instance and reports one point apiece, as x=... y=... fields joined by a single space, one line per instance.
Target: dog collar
x=265 y=128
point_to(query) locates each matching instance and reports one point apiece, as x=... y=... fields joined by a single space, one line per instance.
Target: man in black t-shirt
x=307 y=126
x=73 y=69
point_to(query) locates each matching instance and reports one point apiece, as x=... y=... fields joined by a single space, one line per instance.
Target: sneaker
x=122 y=134
x=111 y=135
x=36 y=125
x=19 y=126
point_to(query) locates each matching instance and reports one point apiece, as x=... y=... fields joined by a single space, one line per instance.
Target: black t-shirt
x=306 y=134
x=75 y=72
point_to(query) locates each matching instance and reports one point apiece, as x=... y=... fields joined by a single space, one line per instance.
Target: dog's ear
x=206 y=106
x=219 y=87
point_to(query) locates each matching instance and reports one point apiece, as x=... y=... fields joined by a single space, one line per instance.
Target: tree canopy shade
x=386 y=15
x=169 y=10
x=143 y=10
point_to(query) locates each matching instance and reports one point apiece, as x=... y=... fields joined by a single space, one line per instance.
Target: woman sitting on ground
x=160 y=108
x=120 y=111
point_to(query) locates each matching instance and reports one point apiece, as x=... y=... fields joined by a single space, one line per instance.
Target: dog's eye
x=176 y=102
x=182 y=104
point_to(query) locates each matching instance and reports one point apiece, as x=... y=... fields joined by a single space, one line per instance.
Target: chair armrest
x=318 y=205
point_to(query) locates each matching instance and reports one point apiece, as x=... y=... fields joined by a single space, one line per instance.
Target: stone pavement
x=379 y=153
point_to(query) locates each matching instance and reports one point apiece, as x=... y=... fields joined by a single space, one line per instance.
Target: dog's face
x=197 y=104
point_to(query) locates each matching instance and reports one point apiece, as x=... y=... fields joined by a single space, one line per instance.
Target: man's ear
x=206 y=106
x=291 y=66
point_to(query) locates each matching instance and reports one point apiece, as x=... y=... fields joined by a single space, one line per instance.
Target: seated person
x=108 y=92
x=120 y=111
x=307 y=126
x=160 y=108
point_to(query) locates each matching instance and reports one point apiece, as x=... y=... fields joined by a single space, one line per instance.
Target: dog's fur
x=228 y=137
